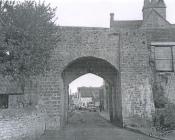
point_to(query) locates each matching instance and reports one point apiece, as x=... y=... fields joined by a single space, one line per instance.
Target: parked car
x=81 y=107
x=92 y=107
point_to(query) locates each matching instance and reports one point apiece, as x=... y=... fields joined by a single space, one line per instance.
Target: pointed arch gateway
x=105 y=70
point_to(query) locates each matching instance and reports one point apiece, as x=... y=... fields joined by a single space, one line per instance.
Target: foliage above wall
x=28 y=34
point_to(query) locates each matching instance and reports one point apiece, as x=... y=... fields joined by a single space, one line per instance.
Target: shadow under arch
x=103 y=69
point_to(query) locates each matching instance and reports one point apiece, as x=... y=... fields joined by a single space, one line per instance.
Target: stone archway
x=101 y=68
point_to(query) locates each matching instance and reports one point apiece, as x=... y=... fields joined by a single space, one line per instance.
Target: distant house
x=89 y=94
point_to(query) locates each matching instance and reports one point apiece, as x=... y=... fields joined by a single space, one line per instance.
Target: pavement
x=85 y=125
x=168 y=136
x=171 y=136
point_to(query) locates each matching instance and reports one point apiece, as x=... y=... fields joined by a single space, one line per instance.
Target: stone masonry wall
x=21 y=124
x=50 y=87
x=136 y=87
x=8 y=86
x=166 y=80
x=75 y=42
x=22 y=120
x=137 y=97
x=127 y=52
x=29 y=98
x=170 y=88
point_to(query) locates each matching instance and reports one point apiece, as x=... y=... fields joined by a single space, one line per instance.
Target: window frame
x=164 y=44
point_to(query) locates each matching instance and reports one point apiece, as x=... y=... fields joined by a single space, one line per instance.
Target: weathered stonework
x=80 y=51
x=120 y=54
x=166 y=80
x=136 y=88
x=121 y=58
x=21 y=124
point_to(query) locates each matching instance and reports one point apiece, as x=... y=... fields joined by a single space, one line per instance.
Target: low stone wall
x=21 y=124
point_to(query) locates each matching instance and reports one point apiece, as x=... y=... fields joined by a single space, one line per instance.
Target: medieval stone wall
x=170 y=83
x=8 y=85
x=166 y=80
x=127 y=52
x=21 y=124
x=74 y=43
x=136 y=88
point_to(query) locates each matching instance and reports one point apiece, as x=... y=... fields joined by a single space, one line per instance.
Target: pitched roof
x=127 y=24
x=161 y=4
x=153 y=3
x=89 y=92
x=157 y=13
x=146 y=3
x=161 y=16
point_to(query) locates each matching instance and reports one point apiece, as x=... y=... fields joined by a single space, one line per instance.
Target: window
x=164 y=58
x=163 y=54
x=3 y=101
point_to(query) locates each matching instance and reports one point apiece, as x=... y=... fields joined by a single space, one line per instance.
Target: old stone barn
x=136 y=58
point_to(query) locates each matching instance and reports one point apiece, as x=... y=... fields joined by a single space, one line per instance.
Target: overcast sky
x=88 y=80
x=96 y=12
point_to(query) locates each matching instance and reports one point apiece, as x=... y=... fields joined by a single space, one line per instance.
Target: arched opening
x=103 y=69
x=86 y=94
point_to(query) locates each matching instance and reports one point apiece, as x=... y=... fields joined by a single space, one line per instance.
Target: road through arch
x=99 y=67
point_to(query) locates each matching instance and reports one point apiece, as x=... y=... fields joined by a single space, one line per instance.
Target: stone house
x=161 y=46
x=89 y=94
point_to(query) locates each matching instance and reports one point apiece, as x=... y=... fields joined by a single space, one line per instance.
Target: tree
x=28 y=34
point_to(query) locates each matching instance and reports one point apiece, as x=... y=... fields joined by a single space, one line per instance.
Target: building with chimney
x=136 y=59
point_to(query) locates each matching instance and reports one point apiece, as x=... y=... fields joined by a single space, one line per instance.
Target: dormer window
x=163 y=56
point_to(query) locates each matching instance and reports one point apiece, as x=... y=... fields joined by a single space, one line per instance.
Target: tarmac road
x=84 y=125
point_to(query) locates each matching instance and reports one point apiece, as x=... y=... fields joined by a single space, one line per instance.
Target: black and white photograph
x=87 y=69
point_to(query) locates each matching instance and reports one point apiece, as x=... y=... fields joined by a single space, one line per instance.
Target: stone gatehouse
x=131 y=56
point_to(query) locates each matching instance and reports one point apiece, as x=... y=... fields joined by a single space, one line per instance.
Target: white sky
x=96 y=12
x=88 y=80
